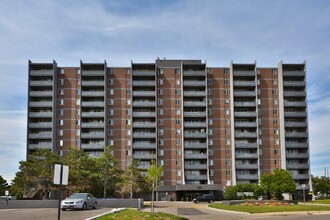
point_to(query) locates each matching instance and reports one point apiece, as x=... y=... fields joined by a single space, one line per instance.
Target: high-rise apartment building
x=209 y=127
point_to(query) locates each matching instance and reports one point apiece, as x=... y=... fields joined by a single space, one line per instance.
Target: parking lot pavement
x=49 y=214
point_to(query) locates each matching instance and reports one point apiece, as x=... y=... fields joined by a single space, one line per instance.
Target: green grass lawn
x=265 y=209
x=323 y=201
x=130 y=214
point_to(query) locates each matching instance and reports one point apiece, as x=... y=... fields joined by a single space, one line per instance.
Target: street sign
x=303 y=186
x=57 y=174
x=6 y=193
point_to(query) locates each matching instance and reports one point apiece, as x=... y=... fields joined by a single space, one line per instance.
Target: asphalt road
x=49 y=214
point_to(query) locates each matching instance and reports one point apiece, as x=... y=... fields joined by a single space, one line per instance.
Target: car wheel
x=94 y=207
x=84 y=206
x=63 y=209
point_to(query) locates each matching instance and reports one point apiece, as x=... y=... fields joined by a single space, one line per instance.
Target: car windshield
x=78 y=196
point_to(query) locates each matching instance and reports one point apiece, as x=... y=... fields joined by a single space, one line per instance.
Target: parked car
x=204 y=198
x=79 y=201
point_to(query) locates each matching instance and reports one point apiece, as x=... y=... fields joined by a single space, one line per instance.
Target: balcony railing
x=144 y=135
x=92 y=104
x=40 y=125
x=195 y=124
x=92 y=72
x=41 y=135
x=195 y=135
x=244 y=73
x=41 y=114
x=144 y=93
x=144 y=166
x=41 y=83
x=293 y=73
x=194 y=103
x=245 y=124
x=246 y=156
x=244 y=93
x=92 y=93
x=297 y=155
x=294 y=93
x=195 y=177
x=47 y=145
x=92 y=83
x=194 y=93
x=239 y=144
x=194 y=83
x=194 y=73
x=93 y=135
x=194 y=114
x=195 y=166
x=246 y=166
x=93 y=146
x=145 y=145
x=300 y=176
x=295 y=114
x=143 y=73
x=144 y=103
x=195 y=156
x=295 y=124
x=92 y=124
x=144 y=124
x=145 y=156
x=41 y=104
x=245 y=83
x=296 y=145
x=144 y=83
x=245 y=134
x=294 y=83
x=41 y=93
x=92 y=114
x=191 y=145
x=244 y=104
x=297 y=166
x=144 y=114
x=296 y=134
x=294 y=103
x=247 y=177
x=48 y=72
x=245 y=114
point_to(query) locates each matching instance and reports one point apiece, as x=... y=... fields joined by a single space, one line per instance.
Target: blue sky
x=121 y=31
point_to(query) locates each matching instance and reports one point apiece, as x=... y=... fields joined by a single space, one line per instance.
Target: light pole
x=303 y=187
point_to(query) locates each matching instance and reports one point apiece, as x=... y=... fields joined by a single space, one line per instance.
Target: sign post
x=6 y=194
x=303 y=186
x=61 y=174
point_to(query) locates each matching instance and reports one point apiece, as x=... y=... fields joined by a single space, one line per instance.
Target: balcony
x=296 y=134
x=245 y=114
x=144 y=83
x=245 y=83
x=92 y=146
x=194 y=114
x=297 y=166
x=295 y=114
x=244 y=104
x=92 y=93
x=144 y=166
x=194 y=73
x=245 y=124
x=143 y=73
x=246 y=156
x=300 y=176
x=195 y=177
x=144 y=104
x=244 y=73
x=41 y=104
x=48 y=72
x=145 y=156
x=247 y=177
x=41 y=93
x=144 y=114
x=295 y=124
x=240 y=144
x=307 y=187
x=92 y=104
x=194 y=93
x=144 y=124
x=144 y=135
x=192 y=145
x=294 y=93
x=144 y=145
x=46 y=145
x=144 y=93
x=195 y=166
x=294 y=73
x=41 y=114
x=195 y=124
x=296 y=145
x=195 y=135
x=297 y=155
x=41 y=135
x=41 y=83
x=92 y=124
x=194 y=83
x=93 y=135
x=294 y=83
x=92 y=73
x=246 y=166
x=244 y=93
x=40 y=125
x=195 y=156
x=92 y=83
x=92 y=114
x=294 y=104
x=194 y=103
x=245 y=134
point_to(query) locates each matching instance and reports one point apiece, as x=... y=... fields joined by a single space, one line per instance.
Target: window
x=128 y=70
x=210 y=121
x=128 y=132
x=128 y=101
x=78 y=92
x=111 y=111
x=128 y=111
x=160 y=71
x=78 y=132
x=110 y=81
x=78 y=102
x=209 y=81
x=226 y=91
x=226 y=81
x=226 y=71
x=226 y=111
x=78 y=82
x=177 y=92
x=160 y=111
x=276 y=141
x=276 y=151
x=177 y=101
x=161 y=162
x=227 y=141
x=160 y=82
x=210 y=131
x=178 y=142
x=110 y=142
x=128 y=153
x=210 y=142
x=178 y=131
x=160 y=142
x=61 y=91
x=211 y=162
x=227 y=131
x=61 y=81
x=177 y=112
x=128 y=91
x=178 y=162
x=78 y=112
x=61 y=102
x=275 y=102
x=227 y=172
x=60 y=142
x=60 y=112
x=209 y=101
x=177 y=71
x=259 y=101
x=110 y=121
x=160 y=101
x=275 y=131
x=77 y=122
x=161 y=152
x=110 y=101
x=110 y=91
x=211 y=152
x=209 y=91
x=277 y=162
x=274 y=91
x=161 y=131
x=178 y=172
x=128 y=121
x=62 y=71
x=227 y=161
x=227 y=151
x=211 y=172
x=177 y=82
x=111 y=132
x=275 y=111
x=60 y=132
x=227 y=122
x=209 y=111
x=275 y=121
x=160 y=121
x=128 y=81
x=226 y=101
x=177 y=121
x=128 y=142
x=274 y=81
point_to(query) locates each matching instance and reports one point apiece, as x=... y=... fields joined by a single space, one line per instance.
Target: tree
x=154 y=174
x=3 y=186
x=321 y=185
x=230 y=193
x=278 y=183
x=36 y=174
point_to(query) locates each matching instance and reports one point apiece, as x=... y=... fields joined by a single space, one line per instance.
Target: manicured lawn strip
x=324 y=201
x=265 y=209
x=130 y=214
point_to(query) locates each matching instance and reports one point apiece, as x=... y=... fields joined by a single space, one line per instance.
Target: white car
x=79 y=201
